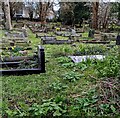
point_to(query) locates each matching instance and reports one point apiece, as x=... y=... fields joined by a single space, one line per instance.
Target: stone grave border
x=40 y=69
x=94 y=41
x=53 y=40
x=39 y=36
x=14 y=41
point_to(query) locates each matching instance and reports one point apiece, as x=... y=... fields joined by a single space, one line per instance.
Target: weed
x=57 y=86
x=51 y=107
x=72 y=76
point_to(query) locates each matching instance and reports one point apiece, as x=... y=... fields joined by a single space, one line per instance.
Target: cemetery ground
x=89 y=88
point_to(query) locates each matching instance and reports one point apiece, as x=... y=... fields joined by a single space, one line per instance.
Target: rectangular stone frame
x=40 y=69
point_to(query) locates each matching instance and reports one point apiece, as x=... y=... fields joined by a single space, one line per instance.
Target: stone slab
x=77 y=59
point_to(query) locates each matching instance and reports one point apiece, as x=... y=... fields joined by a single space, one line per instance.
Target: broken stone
x=77 y=59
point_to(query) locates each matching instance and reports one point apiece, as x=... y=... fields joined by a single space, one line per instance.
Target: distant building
x=24 y=12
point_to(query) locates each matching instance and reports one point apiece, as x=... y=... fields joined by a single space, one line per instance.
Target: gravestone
x=118 y=40
x=91 y=33
x=73 y=32
x=25 y=32
x=105 y=37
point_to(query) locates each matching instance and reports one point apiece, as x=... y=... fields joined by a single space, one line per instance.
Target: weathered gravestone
x=104 y=37
x=73 y=32
x=25 y=32
x=118 y=40
x=91 y=33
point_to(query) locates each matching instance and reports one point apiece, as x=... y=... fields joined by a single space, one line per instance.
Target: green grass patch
x=65 y=88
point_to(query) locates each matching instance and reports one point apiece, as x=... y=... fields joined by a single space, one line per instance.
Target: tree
x=104 y=15
x=95 y=8
x=119 y=11
x=44 y=6
x=66 y=13
x=8 y=25
x=73 y=12
x=81 y=11
x=30 y=10
x=14 y=7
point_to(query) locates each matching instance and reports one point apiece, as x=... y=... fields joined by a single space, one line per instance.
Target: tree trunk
x=7 y=15
x=95 y=6
x=119 y=12
x=106 y=16
x=42 y=12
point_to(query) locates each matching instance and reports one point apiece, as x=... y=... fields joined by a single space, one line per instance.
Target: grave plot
x=80 y=30
x=21 y=33
x=102 y=38
x=109 y=36
x=18 y=65
x=34 y=27
x=15 y=38
x=53 y=40
x=95 y=41
x=38 y=28
x=14 y=34
x=89 y=52
x=67 y=34
x=39 y=35
x=7 y=43
x=96 y=38
x=19 y=25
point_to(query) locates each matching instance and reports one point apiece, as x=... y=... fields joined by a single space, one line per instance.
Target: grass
x=1 y=33
x=28 y=87
x=34 y=88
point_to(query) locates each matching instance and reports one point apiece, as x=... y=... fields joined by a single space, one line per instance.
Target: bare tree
x=44 y=6
x=31 y=10
x=15 y=6
x=104 y=14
